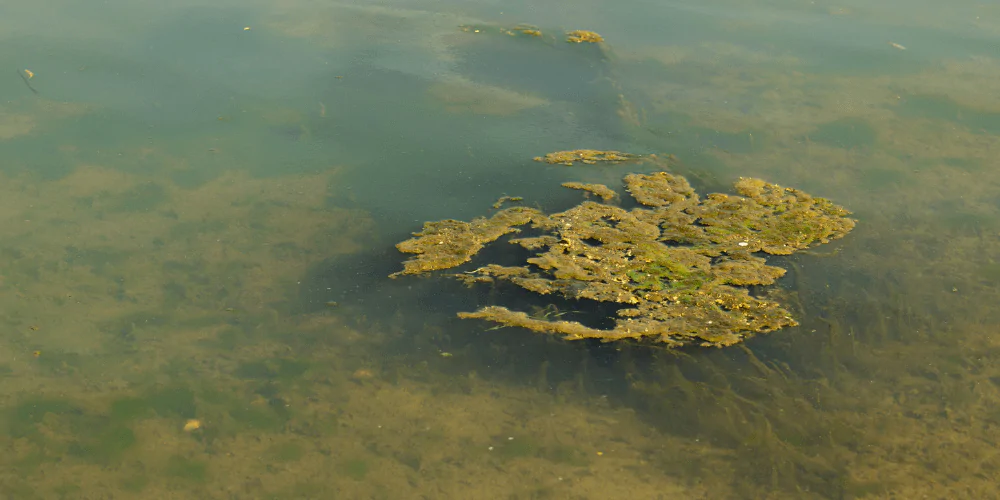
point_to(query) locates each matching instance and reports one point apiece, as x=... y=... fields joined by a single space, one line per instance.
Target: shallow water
x=198 y=211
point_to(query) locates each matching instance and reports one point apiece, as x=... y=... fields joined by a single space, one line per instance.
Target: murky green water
x=198 y=207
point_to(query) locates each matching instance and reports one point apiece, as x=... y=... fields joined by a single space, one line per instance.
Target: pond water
x=199 y=206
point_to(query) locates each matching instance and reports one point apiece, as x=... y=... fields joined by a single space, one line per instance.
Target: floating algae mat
x=678 y=265
x=585 y=156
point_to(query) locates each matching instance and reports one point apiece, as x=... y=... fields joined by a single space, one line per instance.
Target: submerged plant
x=678 y=266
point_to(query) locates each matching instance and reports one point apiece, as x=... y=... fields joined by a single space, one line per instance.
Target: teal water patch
x=846 y=133
x=936 y=107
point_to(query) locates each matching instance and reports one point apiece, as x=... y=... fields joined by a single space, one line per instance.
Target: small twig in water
x=24 y=77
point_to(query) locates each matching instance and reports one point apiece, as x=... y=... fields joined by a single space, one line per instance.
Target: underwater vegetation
x=679 y=266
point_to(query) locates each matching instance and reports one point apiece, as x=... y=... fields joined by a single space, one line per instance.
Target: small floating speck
x=896 y=46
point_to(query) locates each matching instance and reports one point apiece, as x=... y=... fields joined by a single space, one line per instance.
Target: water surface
x=198 y=211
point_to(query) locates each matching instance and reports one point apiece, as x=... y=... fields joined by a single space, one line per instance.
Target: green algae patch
x=519 y=447
x=54 y=429
x=280 y=369
x=142 y=198
x=285 y=452
x=173 y=402
x=184 y=468
x=355 y=469
x=106 y=446
x=23 y=419
x=257 y=418
x=848 y=133
x=134 y=484
x=678 y=267
x=130 y=408
x=565 y=455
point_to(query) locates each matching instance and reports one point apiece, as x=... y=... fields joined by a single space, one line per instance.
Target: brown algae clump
x=506 y=199
x=587 y=156
x=581 y=36
x=449 y=243
x=678 y=266
x=606 y=193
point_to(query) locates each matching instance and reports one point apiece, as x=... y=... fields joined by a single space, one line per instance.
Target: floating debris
x=192 y=425
x=471 y=29
x=27 y=74
x=581 y=36
x=520 y=29
x=587 y=156
x=678 y=266
x=896 y=46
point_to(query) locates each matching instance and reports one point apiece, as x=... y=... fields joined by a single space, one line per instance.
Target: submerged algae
x=678 y=265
